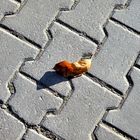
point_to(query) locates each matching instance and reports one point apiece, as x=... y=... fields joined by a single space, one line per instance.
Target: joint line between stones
x=128 y=28
x=124 y=97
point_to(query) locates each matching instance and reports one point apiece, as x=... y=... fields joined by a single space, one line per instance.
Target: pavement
x=38 y=104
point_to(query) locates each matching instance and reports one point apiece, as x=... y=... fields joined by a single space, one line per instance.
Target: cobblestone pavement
x=38 y=104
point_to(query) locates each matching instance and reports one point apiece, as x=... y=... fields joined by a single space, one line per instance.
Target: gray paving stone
x=12 y=54
x=104 y=133
x=89 y=101
x=32 y=135
x=10 y=127
x=128 y=117
x=131 y=15
x=89 y=16
x=6 y=6
x=66 y=45
x=40 y=14
x=83 y=110
x=32 y=104
x=116 y=56
x=138 y=62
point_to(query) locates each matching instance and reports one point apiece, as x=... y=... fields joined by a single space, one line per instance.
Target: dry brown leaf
x=68 y=69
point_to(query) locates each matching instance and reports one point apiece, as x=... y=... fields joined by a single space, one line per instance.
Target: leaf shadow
x=50 y=78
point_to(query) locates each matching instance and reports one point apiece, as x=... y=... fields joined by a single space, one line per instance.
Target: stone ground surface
x=38 y=104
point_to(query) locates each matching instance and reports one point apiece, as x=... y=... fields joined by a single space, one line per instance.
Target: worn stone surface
x=37 y=34
x=10 y=127
x=82 y=112
x=89 y=16
x=130 y=16
x=138 y=62
x=6 y=6
x=40 y=15
x=116 y=57
x=12 y=54
x=64 y=42
x=32 y=104
x=128 y=117
x=104 y=133
x=32 y=135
